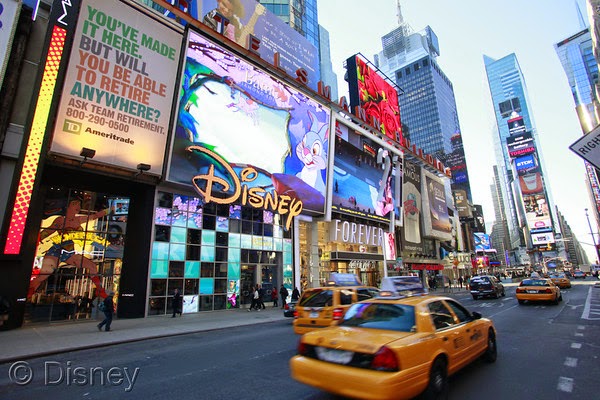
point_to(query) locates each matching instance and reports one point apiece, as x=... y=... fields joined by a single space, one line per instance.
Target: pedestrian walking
x=107 y=307
x=460 y=281
x=261 y=293
x=295 y=294
x=177 y=303
x=254 y=298
x=284 y=294
x=274 y=296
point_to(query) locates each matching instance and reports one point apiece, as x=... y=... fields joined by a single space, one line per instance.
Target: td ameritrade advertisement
x=118 y=88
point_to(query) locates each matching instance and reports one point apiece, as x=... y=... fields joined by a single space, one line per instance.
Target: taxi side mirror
x=476 y=315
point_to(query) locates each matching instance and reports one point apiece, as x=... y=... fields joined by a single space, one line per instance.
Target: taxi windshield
x=393 y=317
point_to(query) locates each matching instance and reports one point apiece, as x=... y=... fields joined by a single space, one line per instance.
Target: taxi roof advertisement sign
x=117 y=98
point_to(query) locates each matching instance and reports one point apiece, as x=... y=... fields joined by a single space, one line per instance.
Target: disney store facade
x=209 y=179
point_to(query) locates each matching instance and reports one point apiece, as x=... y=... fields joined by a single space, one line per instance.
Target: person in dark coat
x=295 y=294
x=109 y=308
x=284 y=294
x=177 y=303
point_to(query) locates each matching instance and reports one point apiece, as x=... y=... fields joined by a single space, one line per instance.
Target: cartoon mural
x=231 y=114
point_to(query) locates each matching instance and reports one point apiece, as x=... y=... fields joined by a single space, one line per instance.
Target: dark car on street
x=290 y=308
x=486 y=286
x=579 y=274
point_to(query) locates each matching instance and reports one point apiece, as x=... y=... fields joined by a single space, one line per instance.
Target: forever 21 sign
x=353 y=233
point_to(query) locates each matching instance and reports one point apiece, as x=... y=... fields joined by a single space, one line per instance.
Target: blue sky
x=468 y=29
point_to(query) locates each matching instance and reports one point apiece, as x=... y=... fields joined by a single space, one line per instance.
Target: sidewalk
x=36 y=341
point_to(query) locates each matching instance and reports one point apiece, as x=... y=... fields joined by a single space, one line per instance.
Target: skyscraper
x=577 y=58
x=526 y=201
x=303 y=17
x=428 y=106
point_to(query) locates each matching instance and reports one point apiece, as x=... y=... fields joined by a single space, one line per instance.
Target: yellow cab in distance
x=396 y=346
x=538 y=289
x=561 y=280
x=324 y=306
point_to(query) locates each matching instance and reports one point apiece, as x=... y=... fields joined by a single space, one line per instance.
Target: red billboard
x=374 y=95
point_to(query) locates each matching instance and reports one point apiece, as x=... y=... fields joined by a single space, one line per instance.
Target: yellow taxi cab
x=398 y=345
x=561 y=280
x=325 y=306
x=538 y=289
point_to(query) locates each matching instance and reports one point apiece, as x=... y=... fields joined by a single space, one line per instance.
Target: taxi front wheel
x=438 y=381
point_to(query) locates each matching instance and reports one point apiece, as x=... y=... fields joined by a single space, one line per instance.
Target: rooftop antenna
x=582 y=23
x=399 y=13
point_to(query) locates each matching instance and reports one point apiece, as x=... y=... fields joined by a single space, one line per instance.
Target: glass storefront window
x=223 y=250
x=78 y=256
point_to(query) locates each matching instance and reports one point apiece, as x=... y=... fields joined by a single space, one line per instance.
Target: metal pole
x=593 y=237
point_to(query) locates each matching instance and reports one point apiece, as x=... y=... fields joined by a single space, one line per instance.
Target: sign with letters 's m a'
x=588 y=147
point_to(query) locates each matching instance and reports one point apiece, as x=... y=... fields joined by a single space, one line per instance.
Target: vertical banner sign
x=61 y=23
x=436 y=220
x=119 y=87
x=412 y=206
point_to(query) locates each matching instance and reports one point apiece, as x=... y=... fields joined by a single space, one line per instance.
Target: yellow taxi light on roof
x=402 y=286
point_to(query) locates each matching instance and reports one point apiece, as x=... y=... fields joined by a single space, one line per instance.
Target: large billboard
x=436 y=220
x=516 y=126
x=361 y=187
x=250 y=17
x=376 y=96
x=537 y=211
x=242 y=135
x=482 y=241
x=118 y=88
x=412 y=206
x=520 y=145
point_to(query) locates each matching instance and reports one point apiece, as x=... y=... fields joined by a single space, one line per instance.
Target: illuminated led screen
x=375 y=96
x=34 y=145
x=232 y=116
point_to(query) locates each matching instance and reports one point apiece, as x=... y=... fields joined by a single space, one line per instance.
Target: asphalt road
x=544 y=351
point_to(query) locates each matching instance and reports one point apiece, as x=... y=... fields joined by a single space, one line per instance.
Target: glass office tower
x=510 y=100
x=302 y=16
x=577 y=58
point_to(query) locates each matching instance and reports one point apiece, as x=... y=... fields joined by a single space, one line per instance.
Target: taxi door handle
x=468 y=330
x=445 y=339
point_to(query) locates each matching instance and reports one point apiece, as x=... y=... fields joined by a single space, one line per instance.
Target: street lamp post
x=593 y=237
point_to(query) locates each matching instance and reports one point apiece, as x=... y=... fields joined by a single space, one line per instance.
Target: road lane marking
x=565 y=384
x=578 y=334
x=571 y=362
x=575 y=345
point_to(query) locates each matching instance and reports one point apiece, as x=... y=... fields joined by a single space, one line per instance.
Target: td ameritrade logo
x=71 y=126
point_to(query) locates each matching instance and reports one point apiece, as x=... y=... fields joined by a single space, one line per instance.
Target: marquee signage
x=353 y=233
x=256 y=197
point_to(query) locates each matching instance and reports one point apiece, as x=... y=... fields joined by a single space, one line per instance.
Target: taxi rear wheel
x=438 y=381
x=491 y=353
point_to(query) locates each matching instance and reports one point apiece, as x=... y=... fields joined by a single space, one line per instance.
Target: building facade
x=175 y=155
x=527 y=200
x=576 y=56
